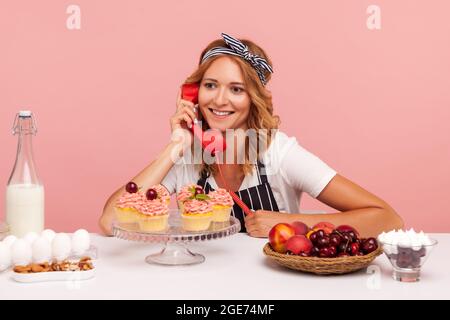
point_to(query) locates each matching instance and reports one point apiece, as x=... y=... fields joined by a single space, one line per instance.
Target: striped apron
x=259 y=197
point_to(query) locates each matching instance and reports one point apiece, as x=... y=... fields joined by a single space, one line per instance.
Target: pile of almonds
x=84 y=264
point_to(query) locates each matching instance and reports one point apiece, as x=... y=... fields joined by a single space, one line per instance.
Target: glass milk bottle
x=24 y=192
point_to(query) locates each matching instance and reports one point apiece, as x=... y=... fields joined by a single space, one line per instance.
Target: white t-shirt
x=290 y=170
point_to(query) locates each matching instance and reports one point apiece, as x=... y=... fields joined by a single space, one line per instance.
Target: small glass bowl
x=407 y=261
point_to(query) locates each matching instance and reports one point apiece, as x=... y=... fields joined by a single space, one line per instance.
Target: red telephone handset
x=212 y=141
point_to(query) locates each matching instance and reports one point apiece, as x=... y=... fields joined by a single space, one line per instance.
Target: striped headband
x=237 y=48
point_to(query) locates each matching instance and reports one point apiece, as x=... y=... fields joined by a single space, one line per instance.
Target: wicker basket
x=316 y=265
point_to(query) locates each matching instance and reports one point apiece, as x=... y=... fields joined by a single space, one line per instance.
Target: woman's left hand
x=259 y=223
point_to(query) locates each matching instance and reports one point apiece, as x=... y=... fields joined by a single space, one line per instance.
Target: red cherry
x=352 y=236
x=347 y=237
x=343 y=254
x=371 y=241
x=314 y=252
x=323 y=242
x=313 y=237
x=333 y=251
x=198 y=190
x=342 y=247
x=354 y=249
x=324 y=252
x=320 y=233
x=131 y=187
x=151 y=194
x=369 y=247
x=349 y=249
x=335 y=239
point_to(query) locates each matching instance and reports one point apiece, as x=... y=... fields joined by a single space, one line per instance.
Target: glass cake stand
x=176 y=240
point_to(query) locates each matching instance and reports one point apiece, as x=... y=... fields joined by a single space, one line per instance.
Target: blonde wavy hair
x=261 y=109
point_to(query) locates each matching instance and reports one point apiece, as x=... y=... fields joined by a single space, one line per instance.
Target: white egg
x=30 y=237
x=61 y=246
x=81 y=241
x=48 y=234
x=21 y=253
x=9 y=240
x=5 y=256
x=42 y=250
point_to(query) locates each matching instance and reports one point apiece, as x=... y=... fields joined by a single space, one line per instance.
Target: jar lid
x=25 y=113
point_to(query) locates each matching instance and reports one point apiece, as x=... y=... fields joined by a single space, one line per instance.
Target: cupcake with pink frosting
x=149 y=209
x=162 y=192
x=197 y=215
x=221 y=202
x=186 y=193
x=125 y=207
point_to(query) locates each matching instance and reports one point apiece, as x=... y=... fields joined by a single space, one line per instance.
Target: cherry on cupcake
x=131 y=187
x=151 y=194
x=198 y=190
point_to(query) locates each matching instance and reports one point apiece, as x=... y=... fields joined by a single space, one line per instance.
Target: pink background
x=373 y=104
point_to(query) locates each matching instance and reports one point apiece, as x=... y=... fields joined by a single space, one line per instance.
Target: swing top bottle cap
x=25 y=113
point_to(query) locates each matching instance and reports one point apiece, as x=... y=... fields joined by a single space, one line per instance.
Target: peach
x=327 y=227
x=279 y=235
x=298 y=244
x=300 y=228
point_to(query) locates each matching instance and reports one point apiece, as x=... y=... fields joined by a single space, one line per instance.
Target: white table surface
x=235 y=268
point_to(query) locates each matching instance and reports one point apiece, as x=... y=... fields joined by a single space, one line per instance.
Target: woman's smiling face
x=223 y=99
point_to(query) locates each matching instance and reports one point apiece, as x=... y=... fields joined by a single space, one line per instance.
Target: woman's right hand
x=182 y=120
x=184 y=116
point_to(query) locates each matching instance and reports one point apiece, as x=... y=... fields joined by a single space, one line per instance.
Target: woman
x=232 y=75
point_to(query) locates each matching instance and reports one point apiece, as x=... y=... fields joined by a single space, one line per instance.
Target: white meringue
x=407 y=239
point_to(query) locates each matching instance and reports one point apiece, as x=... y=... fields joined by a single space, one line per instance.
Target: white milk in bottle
x=24 y=192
